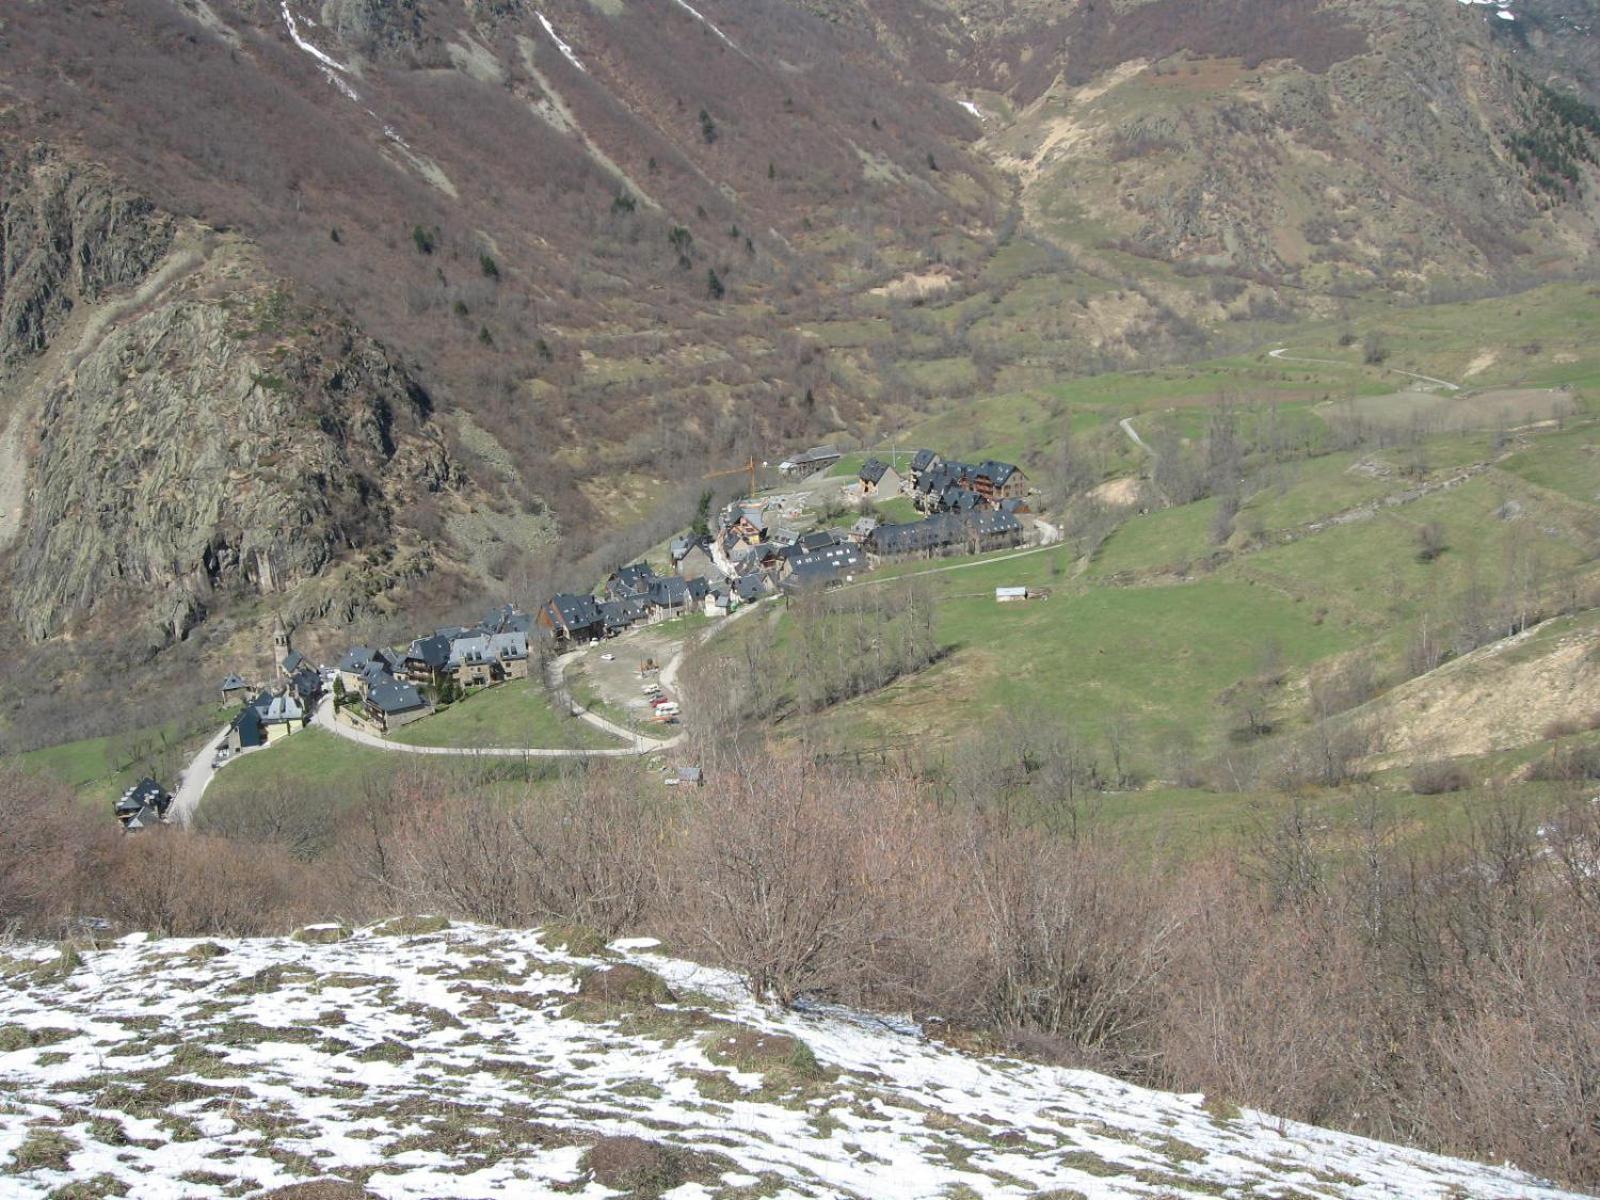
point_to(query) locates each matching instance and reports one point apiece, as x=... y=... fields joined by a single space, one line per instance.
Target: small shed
x=1004 y=595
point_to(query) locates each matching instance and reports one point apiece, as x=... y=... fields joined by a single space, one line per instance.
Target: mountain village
x=758 y=546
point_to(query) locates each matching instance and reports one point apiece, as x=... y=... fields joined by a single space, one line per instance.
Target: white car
x=608 y=658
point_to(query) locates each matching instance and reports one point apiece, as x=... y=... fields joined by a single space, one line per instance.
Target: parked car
x=608 y=657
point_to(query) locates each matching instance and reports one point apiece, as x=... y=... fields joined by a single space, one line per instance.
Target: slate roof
x=810 y=574
x=146 y=793
x=572 y=611
x=356 y=659
x=392 y=697
x=959 y=499
x=248 y=723
x=845 y=556
x=818 y=539
x=630 y=581
x=294 y=660
x=749 y=587
x=945 y=529
x=997 y=473
x=671 y=592
x=233 y=684
x=922 y=460
x=306 y=683
x=283 y=708
x=872 y=470
x=432 y=652
x=619 y=614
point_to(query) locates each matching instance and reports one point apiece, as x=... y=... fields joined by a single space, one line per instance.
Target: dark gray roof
x=356 y=659
x=146 y=792
x=996 y=473
x=574 y=611
x=233 y=683
x=819 y=539
x=959 y=499
x=699 y=587
x=844 y=556
x=812 y=573
x=749 y=587
x=391 y=697
x=945 y=529
x=307 y=682
x=248 y=723
x=619 y=614
x=872 y=470
x=432 y=651
x=922 y=460
x=630 y=581
x=294 y=660
x=671 y=592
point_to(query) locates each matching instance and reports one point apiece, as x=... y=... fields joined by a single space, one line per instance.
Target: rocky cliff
x=190 y=432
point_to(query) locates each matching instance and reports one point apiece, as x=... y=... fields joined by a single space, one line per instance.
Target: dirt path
x=61 y=359
x=1282 y=355
x=1127 y=428
x=13 y=478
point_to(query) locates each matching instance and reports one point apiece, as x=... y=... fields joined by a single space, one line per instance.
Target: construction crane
x=749 y=467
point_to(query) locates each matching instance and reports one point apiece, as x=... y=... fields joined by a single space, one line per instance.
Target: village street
x=195 y=778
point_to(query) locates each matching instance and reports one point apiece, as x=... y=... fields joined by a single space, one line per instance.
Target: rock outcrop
x=194 y=432
x=69 y=235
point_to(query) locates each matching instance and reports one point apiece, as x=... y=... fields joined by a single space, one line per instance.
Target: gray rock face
x=68 y=235
x=207 y=437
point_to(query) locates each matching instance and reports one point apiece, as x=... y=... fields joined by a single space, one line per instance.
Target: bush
x=1436 y=778
x=624 y=984
x=634 y=1165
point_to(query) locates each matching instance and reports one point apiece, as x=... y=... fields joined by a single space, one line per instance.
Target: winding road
x=194 y=779
x=1282 y=355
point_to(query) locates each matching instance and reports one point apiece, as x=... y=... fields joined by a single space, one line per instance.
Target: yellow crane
x=747 y=467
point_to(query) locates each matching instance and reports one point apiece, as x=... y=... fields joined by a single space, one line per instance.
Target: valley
x=692 y=595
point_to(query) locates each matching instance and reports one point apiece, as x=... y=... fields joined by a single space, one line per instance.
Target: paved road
x=1282 y=355
x=195 y=779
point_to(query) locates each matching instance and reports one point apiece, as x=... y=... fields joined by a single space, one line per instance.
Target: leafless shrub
x=1436 y=778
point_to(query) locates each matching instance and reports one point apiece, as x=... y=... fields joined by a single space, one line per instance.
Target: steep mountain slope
x=187 y=431
x=573 y=257
x=574 y=236
x=472 y=1061
x=1321 y=147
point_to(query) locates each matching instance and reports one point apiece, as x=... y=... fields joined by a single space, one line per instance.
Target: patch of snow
x=701 y=17
x=566 y=50
x=635 y=944
x=971 y=108
x=346 y=1051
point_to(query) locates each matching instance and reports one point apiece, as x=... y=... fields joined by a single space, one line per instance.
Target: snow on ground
x=971 y=108
x=464 y=1062
x=331 y=67
x=704 y=20
x=566 y=50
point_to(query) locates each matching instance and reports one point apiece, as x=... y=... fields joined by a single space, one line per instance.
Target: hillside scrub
x=1320 y=968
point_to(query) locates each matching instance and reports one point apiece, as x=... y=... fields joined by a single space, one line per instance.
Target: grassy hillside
x=1384 y=526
